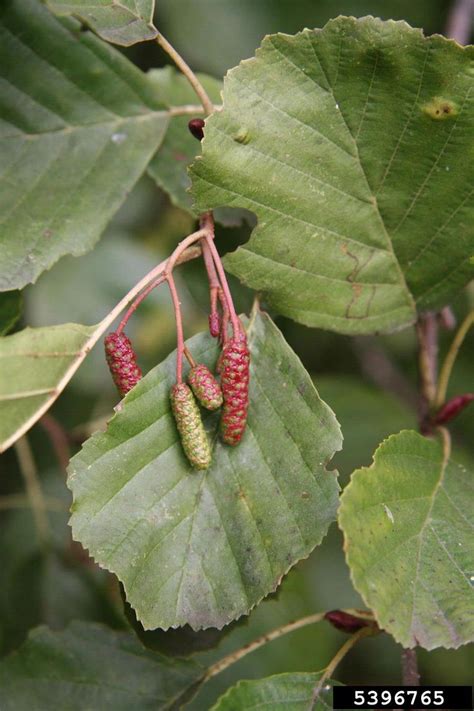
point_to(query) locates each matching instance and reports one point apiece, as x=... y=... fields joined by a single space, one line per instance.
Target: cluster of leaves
x=351 y=145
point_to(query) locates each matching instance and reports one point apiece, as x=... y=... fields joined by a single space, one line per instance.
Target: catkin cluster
x=232 y=394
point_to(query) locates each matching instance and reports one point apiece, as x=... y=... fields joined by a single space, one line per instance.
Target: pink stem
x=184 y=244
x=209 y=223
x=179 y=328
x=138 y=301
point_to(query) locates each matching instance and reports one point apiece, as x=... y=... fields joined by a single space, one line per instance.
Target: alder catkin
x=235 y=376
x=190 y=427
x=205 y=387
x=122 y=362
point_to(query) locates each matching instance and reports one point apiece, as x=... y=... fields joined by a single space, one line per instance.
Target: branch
x=410 y=673
x=427 y=332
x=20 y=501
x=451 y=358
x=188 y=73
x=33 y=490
x=234 y=657
x=459 y=25
x=184 y=255
x=380 y=369
x=58 y=438
x=339 y=656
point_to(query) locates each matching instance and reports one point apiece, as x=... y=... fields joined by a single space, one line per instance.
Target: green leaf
x=409 y=544
x=179 y=642
x=90 y=666
x=36 y=365
x=77 y=129
x=203 y=548
x=123 y=22
x=352 y=145
x=46 y=585
x=10 y=310
x=288 y=692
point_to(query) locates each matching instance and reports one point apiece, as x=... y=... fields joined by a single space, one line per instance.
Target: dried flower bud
x=122 y=362
x=190 y=427
x=453 y=408
x=346 y=622
x=205 y=387
x=235 y=376
x=196 y=126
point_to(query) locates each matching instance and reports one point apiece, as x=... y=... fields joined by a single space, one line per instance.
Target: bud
x=452 y=408
x=196 y=126
x=346 y=622
x=190 y=427
x=122 y=363
x=235 y=376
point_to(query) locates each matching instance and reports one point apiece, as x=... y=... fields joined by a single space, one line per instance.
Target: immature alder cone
x=190 y=427
x=122 y=362
x=234 y=369
x=205 y=387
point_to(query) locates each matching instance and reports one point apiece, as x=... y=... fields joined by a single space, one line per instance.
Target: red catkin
x=235 y=375
x=122 y=362
x=452 y=408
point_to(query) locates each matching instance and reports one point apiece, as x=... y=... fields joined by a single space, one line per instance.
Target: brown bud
x=196 y=126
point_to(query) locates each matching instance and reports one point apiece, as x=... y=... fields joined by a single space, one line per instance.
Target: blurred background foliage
x=370 y=382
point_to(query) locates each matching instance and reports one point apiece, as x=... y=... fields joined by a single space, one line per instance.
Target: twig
x=58 y=438
x=138 y=301
x=188 y=73
x=410 y=673
x=339 y=656
x=175 y=257
x=190 y=109
x=185 y=255
x=33 y=489
x=179 y=328
x=451 y=358
x=234 y=657
x=380 y=369
x=20 y=501
x=459 y=25
x=427 y=332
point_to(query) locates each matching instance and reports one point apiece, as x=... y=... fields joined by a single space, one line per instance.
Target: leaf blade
x=88 y=664
x=124 y=23
x=408 y=541
x=213 y=531
x=305 y=136
x=291 y=692
x=74 y=143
